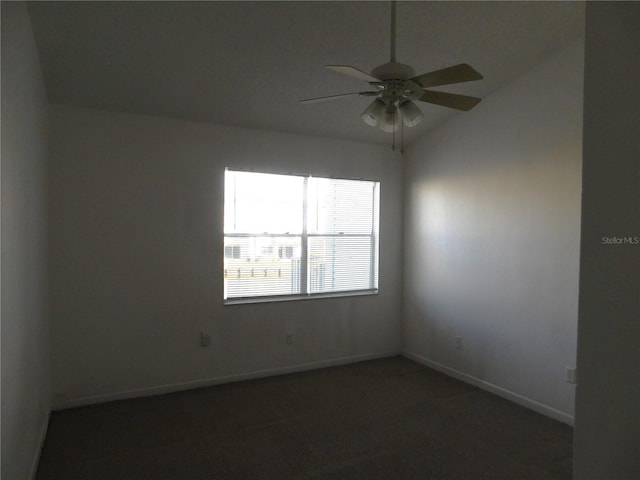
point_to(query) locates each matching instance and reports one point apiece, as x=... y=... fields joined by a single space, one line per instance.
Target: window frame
x=304 y=236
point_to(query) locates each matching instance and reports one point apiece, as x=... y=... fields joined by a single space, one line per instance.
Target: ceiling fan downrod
x=393 y=31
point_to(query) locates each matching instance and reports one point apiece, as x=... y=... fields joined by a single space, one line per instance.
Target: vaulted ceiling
x=249 y=63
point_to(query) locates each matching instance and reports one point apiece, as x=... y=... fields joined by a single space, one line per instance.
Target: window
x=291 y=236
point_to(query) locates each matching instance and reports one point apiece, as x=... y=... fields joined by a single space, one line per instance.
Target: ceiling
x=248 y=63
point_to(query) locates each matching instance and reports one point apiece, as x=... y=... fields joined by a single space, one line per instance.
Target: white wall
x=607 y=433
x=25 y=329
x=136 y=210
x=492 y=230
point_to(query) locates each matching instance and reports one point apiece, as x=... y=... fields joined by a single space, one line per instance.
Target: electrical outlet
x=571 y=375
x=458 y=343
x=288 y=339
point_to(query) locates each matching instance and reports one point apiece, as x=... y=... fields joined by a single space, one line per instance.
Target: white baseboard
x=208 y=382
x=495 y=389
x=36 y=458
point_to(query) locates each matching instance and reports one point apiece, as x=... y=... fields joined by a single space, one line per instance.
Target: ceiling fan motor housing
x=396 y=78
x=393 y=71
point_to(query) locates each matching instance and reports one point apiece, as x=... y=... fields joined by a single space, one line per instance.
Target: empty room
x=334 y=239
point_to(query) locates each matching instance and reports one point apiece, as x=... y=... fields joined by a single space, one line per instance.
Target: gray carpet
x=381 y=419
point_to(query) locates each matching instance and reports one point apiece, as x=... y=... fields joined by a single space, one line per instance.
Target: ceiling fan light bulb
x=373 y=113
x=411 y=114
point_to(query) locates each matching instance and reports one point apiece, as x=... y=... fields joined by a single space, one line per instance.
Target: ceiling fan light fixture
x=390 y=120
x=411 y=114
x=374 y=113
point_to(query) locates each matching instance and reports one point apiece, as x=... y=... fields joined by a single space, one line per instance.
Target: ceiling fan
x=396 y=87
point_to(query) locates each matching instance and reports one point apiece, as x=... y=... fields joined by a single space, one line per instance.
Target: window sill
x=289 y=298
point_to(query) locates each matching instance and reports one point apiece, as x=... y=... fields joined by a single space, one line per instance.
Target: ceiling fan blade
x=451 y=100
x=333 y=97
x=352 y=72
x=456 y=74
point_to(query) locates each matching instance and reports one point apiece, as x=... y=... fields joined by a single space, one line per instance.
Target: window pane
x=341 y=264
x=263 y=266
x=340 y=206
x=262 y=203
x=268 y=253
